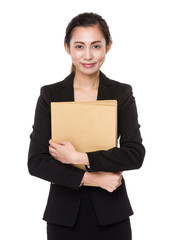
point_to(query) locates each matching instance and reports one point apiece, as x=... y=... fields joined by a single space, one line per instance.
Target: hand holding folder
x=89 y=126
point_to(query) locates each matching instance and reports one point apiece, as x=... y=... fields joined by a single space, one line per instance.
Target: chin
x=89 y=71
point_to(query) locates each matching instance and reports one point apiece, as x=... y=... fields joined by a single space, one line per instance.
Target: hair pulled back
x=86 y=20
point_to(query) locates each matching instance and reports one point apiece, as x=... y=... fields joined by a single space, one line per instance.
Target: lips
x=88 y=65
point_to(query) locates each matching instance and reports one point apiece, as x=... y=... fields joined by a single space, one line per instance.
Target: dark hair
x=85 y=20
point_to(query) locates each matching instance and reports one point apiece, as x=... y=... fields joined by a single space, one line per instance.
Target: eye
x=79 y=47
x=96 y=46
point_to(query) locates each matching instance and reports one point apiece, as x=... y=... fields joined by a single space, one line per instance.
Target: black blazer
x=65 y=195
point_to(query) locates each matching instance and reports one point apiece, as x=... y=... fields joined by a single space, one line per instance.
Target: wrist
x=89 y=178
x=81 y=158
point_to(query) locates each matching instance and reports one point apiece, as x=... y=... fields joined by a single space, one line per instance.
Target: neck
x=86 y=81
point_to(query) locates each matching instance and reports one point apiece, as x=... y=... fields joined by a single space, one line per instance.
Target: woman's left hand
x=63 y=152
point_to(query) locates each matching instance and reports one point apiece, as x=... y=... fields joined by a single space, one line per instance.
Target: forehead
x=87 y=34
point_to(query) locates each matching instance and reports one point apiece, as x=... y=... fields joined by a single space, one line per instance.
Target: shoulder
x=120 y=90
x=53 y=91
x=66 y=81
x=52 y=87
x=120 y=86
x=123 y=93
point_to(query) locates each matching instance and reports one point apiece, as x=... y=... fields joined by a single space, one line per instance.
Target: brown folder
x=88 y=125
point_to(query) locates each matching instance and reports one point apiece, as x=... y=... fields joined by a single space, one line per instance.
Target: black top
x=65 y=195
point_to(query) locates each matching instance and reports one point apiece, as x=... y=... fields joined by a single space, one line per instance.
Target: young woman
x=75 y=211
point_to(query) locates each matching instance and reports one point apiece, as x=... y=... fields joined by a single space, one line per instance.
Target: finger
x=118 y=185
x=53 y=144
x=120 y=181
x=62 y=142
x=53 y=155
x=51 y=149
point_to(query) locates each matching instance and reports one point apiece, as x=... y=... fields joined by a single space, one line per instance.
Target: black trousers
x=87 y=226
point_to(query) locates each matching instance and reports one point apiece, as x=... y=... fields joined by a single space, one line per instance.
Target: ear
x=108 y=47
x=67 y=48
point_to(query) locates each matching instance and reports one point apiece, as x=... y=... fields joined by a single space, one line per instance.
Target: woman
x=75 y=211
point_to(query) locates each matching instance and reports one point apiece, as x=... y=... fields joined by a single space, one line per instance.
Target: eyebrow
x=84 y=43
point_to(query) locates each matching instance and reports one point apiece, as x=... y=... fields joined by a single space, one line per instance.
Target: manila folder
x=89 y=125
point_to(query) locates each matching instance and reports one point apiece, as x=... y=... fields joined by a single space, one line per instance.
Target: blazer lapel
x=67 y=88
x=104 y=90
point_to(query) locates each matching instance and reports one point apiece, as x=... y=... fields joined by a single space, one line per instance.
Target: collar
x=69 y=80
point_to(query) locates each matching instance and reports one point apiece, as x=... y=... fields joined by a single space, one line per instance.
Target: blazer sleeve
x=131 y=152
x=40 y=163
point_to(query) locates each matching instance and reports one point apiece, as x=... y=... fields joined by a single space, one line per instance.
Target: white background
x=143 y=55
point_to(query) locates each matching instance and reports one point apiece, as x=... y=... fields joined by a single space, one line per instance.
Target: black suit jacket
x=65 y=195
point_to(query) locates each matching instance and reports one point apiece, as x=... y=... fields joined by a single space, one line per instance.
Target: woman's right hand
x=107 y=180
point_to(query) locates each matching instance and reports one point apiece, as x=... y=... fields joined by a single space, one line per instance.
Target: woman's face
x=87 y=49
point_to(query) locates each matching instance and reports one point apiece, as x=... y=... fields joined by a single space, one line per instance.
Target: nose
x=87 y=54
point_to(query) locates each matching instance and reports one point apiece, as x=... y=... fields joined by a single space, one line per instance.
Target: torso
x=85 y=95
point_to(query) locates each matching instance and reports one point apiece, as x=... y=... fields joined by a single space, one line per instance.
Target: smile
x=88 y=65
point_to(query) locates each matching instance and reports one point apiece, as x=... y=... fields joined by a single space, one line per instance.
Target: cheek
x=75 y=55
x=101 y=57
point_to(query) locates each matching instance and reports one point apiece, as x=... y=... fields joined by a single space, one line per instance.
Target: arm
x=131 y=153
x=106 y=180
x=67 y=154
x=40 y=163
